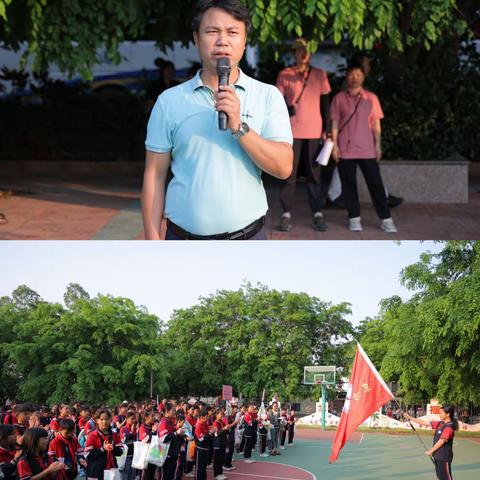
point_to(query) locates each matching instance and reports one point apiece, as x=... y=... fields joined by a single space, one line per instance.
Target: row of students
x=100 y=439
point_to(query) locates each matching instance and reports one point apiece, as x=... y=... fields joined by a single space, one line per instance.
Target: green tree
x=102 y=349
x=69 y=33
x=431 y=340
x=254 y=338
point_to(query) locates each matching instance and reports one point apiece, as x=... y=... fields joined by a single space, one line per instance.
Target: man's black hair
x=234 y=7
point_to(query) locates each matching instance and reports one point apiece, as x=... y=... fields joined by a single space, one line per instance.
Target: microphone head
x=223 y=65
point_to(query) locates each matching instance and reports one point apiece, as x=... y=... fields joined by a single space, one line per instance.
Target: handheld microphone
x=223 y=72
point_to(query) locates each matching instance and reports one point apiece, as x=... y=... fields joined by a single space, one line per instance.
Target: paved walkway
x=109 y=209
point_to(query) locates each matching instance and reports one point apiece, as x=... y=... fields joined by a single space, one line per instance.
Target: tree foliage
x=101 y=349
x=429 y=344
x=69 y=32
x=254 y=339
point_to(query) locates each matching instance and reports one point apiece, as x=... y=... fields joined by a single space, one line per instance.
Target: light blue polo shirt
x=216 y=187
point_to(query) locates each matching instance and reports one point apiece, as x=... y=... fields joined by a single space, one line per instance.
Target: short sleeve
x=159 y=136
x=325 y=84
x=377 y=113
x=447 y=433
x=334 y=109
x=23 y=470
x=276 y=126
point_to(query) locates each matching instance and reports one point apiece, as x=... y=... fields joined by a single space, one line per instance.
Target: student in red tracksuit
x=8 y=454
x=180 y=445
x=283 y=428
x=291 y=427
x=102 y=446
x=192 y=416
x=147 y=429
x=23 y=412
x=169 y=433
x=10 y=419
x=65 y=412
x=442 y=450
x=250 y=422
x=32 y=464
x=203 y=438
x=85 y=413
x=65 y=448
x=128 y=435
x=220 y=440
x=232 y=422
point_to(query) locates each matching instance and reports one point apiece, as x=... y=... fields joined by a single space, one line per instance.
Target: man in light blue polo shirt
x=216 y=191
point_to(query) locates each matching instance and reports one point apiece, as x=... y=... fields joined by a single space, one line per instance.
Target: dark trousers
x=283 y=436
x=371 y=172
x=249 y=442
x=305 y=152
x=443 y=470
x=181 y=465
x=201 y=464
x=189 y=467
x=218 y=460
x=150 y=472
x=229 y=452
x=261 y=235
x=291 y=433
x=263 y=442
x=241 y=447
x=169 y=468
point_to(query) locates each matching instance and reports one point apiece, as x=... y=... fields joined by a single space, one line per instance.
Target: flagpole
x=414 y=429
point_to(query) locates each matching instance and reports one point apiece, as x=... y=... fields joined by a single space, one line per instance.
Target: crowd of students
x=66 y=441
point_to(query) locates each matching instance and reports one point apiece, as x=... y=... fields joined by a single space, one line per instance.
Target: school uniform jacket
x=28 y=467
x=66 y=451
x=98 y=459
x=203 y=436
x=8 y=466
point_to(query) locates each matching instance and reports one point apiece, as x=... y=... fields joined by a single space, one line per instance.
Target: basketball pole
x=324 y=394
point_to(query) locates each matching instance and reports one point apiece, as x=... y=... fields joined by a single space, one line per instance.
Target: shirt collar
x=241 y=82
x=361 y=92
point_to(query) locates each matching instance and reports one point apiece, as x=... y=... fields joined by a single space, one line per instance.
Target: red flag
x=367 y=392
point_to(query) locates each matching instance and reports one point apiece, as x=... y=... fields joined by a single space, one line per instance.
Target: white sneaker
x=264 y=455
x=355 y=224
x=388 y=226
x=221 y=477
x=282 y=447
x=229 y=468
x=190 y=475
x=249 y=460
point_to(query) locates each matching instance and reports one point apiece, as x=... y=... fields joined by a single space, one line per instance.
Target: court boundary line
x=294 y=466
x=264 y=476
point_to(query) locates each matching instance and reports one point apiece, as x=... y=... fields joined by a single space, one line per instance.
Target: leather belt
x=243 y=234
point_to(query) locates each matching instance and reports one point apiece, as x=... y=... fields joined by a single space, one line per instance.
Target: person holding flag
x=442 y=450
x=367 y=393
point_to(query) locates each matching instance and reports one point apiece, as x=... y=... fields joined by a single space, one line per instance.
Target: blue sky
x=168 y=275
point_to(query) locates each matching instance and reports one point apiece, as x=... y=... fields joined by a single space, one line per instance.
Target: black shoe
x=319 y=224
x=285 y=224
x=394 y=201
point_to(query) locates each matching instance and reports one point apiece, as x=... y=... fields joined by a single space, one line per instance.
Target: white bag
x=122 y=459
x=112 y=474
x=140 y=453
x=158 y=451
x=324 y=154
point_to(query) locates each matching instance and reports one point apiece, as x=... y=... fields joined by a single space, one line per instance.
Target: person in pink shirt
x=306 y=90
x=356 y=114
